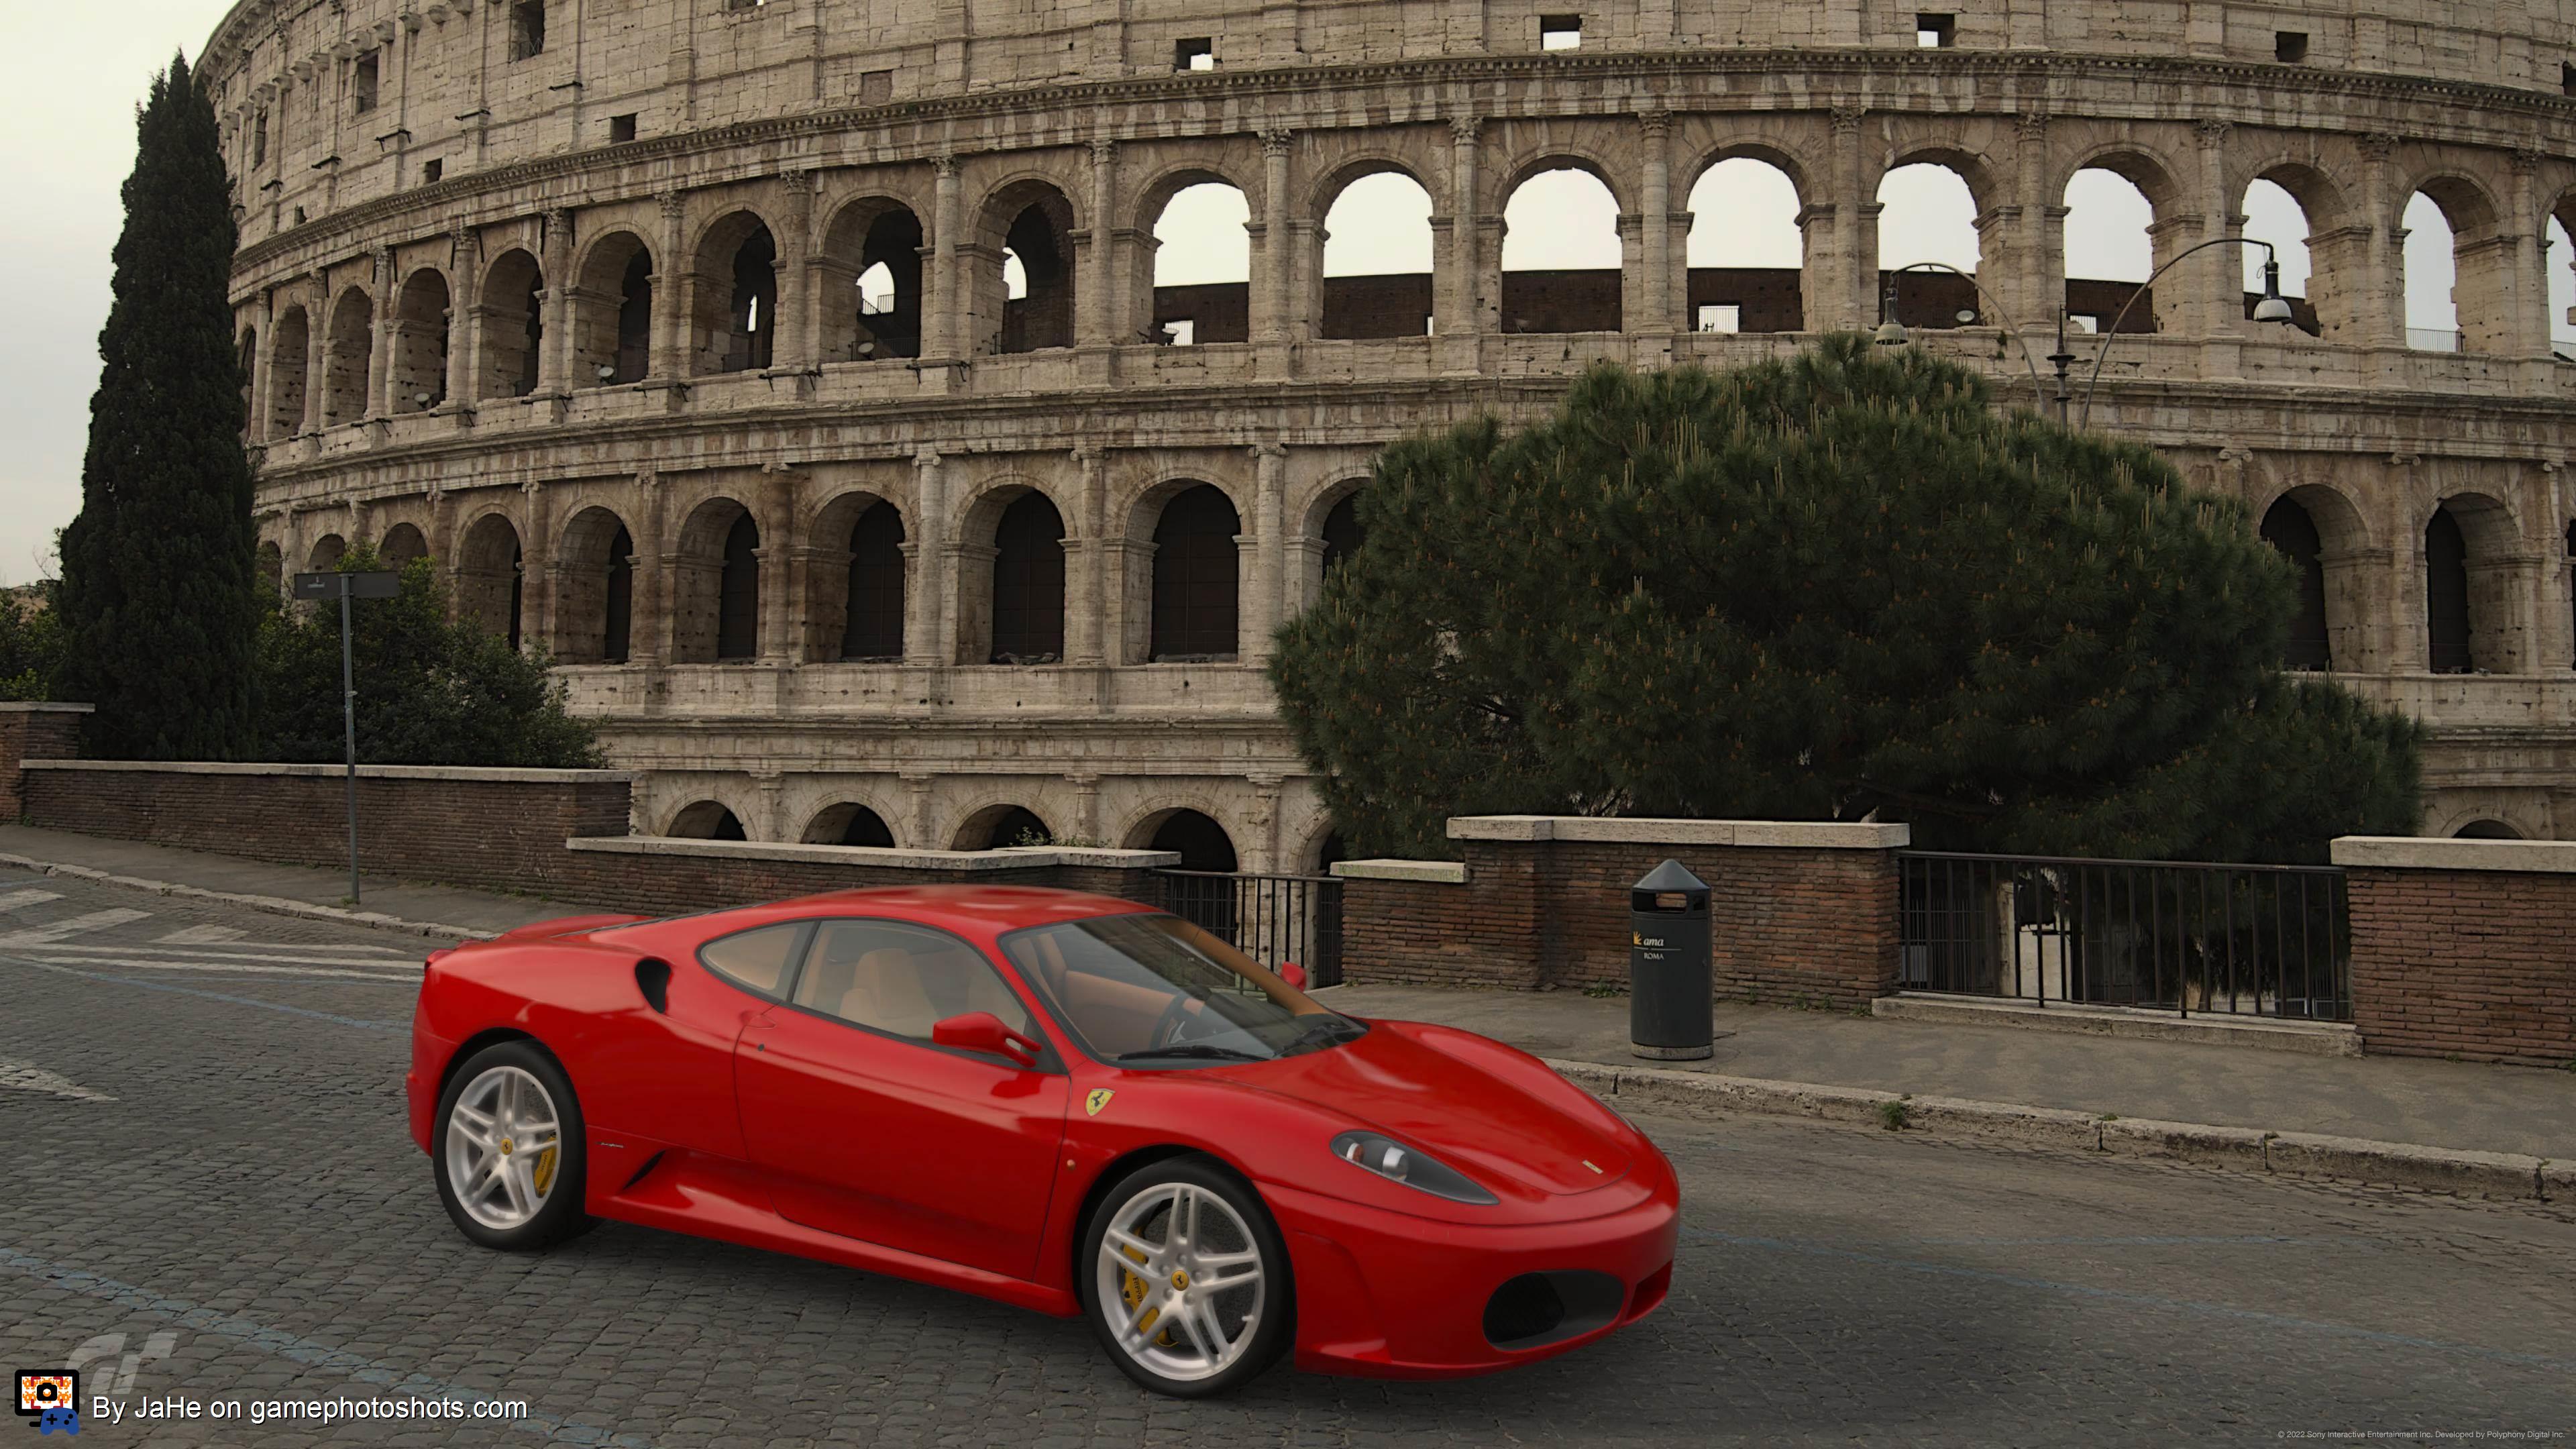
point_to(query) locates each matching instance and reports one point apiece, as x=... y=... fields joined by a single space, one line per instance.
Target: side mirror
x=1294 y=975
x=982 y=1031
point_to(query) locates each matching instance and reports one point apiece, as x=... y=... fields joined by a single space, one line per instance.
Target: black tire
x=1270 y=1334
x=559 y=1215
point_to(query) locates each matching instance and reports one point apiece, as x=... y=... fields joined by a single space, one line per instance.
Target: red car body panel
x=730 y=1115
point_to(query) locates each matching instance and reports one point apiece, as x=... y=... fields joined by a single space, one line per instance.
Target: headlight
x=1396 y=1162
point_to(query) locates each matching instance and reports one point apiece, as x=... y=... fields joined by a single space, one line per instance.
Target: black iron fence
x=2239 y=940
x=1274 y=919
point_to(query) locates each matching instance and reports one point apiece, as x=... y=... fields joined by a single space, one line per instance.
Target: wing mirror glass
x=1294 y=975
x=982 y=1031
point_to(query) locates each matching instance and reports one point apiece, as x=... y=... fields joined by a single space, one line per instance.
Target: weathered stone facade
x=555 y=306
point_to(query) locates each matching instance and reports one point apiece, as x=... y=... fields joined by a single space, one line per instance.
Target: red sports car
x=1067 y=1102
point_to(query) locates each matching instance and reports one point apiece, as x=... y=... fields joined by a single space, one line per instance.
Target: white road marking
x=288 y=955
x=239 y=968
x=203 y=936
x=18 y=900
x=76 y=926
x=28 y=1077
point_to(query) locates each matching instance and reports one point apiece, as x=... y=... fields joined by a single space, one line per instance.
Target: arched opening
x=2273 y=215
x=706 y=820
x=1562 y=257
x=612 y=313
x=289 y=363
x=2571 y=578
x=1343 y=533
x=2561 y=257
x=246 y=355
x=595 y=590
x=1028 y=583
x=1378 y=265
x=488 y=571
x=403 y=543
x=1745 y=250
x=737 y=321
x=1332 y=852
x=872 y=627
x=2288 y=528
x=512 y=326
x=1196 y=612
x=738 y=593
x=2486 y=830
x=1203 y=266
x=2448 y=639
x=2110 y=252
x=326 y=555
x=1028 y=228
x=421 y=316
x=346 y=360
x=270 y=561
x=1002 y=827
x=1201 y=843
x=1927 y=213
x=871 y=272
x=849 y=823
x=2432 y=273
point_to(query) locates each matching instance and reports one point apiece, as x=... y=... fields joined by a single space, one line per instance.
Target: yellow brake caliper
x=544 y=1174
x=1131 y=1290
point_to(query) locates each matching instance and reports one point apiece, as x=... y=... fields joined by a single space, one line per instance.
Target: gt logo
x=1098 y=1099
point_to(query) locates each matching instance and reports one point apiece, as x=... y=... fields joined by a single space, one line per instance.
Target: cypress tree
x=160 y=613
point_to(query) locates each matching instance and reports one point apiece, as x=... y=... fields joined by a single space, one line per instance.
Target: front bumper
x=1386 y=1295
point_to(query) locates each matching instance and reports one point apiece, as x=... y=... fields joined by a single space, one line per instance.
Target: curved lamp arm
x=2271 y=271
x=2039 y=390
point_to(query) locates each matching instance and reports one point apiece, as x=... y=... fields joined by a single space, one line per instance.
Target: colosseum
x=802 y=373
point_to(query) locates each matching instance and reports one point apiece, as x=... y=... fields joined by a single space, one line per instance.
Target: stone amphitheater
x=797 y=373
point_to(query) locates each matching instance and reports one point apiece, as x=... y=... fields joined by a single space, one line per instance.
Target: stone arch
x=1193 y=829
x=1318 y=847
x=1189 y=601
x=347 y=357
x=246 y=357
x=707 y=819
x=997 y=826
x=491 y=576
x=1032 y=220
x=735 y=287
x=612 y=311
x=1011 y=578
x=871 y=237
x=1912 y=231
x=2150 y=176
x=1194 y=299
x=270 y=564
x=856 y=578
x=290 y=343
x=1352 y=303
x=1583 y=290
x=2481 y=277
x=512 y=325
x=594 y=584
x=715 y=584
x=2338 y=252
x=2472 y=607
x=402 y=543
x=326 y=554
x=2486 y=827
x=423 y=321
x=849 y=822
x=1742 y=281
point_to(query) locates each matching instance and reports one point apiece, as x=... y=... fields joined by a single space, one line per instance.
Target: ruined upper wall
x=450 y=99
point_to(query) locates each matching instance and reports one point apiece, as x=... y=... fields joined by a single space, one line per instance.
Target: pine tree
x=159 y=603
x=1837 y=586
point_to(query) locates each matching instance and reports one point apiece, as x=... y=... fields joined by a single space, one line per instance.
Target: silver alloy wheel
x=504 y=1148
x=1181 y=1281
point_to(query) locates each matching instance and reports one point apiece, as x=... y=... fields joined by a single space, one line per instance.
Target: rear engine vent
x=653 y=978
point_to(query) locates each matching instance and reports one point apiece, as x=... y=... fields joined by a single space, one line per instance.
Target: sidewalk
x=2383 y=1099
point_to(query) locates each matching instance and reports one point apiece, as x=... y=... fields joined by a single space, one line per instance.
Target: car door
x=663 y=1069
x=865 y=1128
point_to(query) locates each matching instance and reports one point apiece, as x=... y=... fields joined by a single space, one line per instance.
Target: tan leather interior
x=894 y=985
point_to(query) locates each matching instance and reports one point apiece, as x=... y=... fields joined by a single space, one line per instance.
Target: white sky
x=67 y=142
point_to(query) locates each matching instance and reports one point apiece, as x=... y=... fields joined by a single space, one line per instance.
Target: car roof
x=975 y=911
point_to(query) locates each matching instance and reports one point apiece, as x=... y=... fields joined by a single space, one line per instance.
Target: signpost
x=344 y=587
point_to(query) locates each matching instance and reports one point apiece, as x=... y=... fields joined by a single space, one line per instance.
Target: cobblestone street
x=211 y=1191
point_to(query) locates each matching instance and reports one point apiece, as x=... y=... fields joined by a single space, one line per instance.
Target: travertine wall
x=426 y=356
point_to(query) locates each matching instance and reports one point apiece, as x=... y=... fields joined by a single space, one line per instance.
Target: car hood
x=1492 y=1129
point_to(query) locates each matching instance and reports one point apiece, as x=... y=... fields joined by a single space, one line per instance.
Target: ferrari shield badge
x=1098 y=1099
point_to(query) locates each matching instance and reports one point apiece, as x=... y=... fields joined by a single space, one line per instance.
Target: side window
x=755 y=959
x=901 y=979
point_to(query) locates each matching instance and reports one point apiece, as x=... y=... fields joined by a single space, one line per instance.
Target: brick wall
x=1793 y=919
x=34 y=732
x=2477 y=963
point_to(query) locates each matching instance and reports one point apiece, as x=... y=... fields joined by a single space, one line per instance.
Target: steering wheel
x=1175 y=1019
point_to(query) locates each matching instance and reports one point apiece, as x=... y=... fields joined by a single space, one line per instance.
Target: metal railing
x=1274 y=919
x=2230 y=940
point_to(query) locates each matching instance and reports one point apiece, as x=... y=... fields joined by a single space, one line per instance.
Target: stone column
x=648 y=639
x=555 y=347
x=1267 y=555
x=1461 y=289
x=1658 y=304
x=317 y=354
x=536 y=572
x=1853 y=305
x=263 y=368
x=2217 y=292
x=1086 y=807
x=1272 y=322
x=464 y=290
x=1095 y=302
x=794 y=349
x=926 y=624
x=380 y=372
x=947 y=311
x=918 y=821
x=781 y=584
x=2380 y=314
x=670 y=299
x=1087 y=560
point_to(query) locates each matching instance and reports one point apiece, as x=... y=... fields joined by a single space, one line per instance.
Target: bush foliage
x=1831 y=588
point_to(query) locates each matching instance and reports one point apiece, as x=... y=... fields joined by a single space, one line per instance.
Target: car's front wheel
x=1185 y=1277
x=509 y=1149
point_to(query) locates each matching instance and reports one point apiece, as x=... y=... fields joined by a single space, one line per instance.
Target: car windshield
x=1157 y=990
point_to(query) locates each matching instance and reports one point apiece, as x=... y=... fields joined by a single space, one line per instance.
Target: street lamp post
x=1891 y=333
x=2273 y=307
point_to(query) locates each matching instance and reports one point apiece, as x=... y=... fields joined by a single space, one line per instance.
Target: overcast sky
x=73 y=74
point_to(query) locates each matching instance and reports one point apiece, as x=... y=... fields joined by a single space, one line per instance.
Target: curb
x=274 y=905
x=2499 y=1176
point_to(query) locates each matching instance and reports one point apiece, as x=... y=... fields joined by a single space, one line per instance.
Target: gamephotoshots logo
x=51 y=1397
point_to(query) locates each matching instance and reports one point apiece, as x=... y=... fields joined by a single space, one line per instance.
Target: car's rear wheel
x=1185 y=1278
x=509 y=1151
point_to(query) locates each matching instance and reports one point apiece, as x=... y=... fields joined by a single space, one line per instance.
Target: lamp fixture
x=606 y=371
x=2273 y=307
